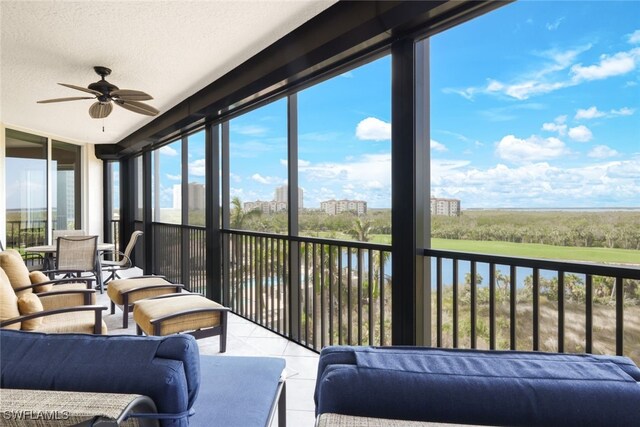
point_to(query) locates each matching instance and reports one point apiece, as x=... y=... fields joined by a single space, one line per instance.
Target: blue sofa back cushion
x=167 y=369
x=478 y=387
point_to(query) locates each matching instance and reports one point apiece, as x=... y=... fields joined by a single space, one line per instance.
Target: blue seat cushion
x=167 y=369
x=478 y=387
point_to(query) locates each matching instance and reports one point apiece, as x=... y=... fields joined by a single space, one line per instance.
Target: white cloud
x=235 y=177
x=552 y=26
x=197 y=167
x=301 y=162
x=554 y=127
x=608 y=66
x=530 y=150
x=593 y=112
x=552 y=75
x=251 y=130
x=602 y=152
x=437 y=146
x=634 y=37
x=377 y=185
x=372 y=129
x=174 y=177
x=366 y=177
x=557 y=125
x=540 y=184
x=580 y=133
x=525 y=90
x=589 y=113
x=168 y=151
x=624 y=111
x=265 y=179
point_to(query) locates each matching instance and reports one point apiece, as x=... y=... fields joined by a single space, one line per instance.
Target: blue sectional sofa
x=187 y=389
x=478 y=387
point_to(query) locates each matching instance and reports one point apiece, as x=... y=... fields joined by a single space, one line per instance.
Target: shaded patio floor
x=245 y=338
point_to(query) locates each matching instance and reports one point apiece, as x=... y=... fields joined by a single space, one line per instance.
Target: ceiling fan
x=108 y=94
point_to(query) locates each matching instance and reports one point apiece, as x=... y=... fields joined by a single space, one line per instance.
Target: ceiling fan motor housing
x=103 y=86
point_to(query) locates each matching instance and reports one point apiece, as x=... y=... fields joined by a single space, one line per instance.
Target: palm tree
x=360 y=230
x=238 y=215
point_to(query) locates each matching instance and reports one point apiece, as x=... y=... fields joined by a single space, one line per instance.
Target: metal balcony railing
x=321 y=292
x=533 y=304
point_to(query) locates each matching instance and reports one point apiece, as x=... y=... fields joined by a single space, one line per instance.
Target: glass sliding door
x=26 y=186
x=66 y=203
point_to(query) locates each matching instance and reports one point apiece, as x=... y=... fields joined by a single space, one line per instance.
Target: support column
x=410 y=309
x=292 y=210
x=212 y=188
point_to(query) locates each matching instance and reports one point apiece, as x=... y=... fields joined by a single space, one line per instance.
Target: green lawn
x=525 y=250
x=532 y=250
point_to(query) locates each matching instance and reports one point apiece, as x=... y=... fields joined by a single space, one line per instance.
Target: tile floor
x=245 y=338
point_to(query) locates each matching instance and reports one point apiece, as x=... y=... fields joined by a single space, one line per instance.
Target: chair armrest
x=124 y=261
x=48 y=272
x=96 y=308
x=87 y=280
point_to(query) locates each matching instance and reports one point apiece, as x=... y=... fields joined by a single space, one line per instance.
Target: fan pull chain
x=103 y=125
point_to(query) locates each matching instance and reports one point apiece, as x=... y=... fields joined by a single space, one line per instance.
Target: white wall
x=92 y=192
x=3 y=191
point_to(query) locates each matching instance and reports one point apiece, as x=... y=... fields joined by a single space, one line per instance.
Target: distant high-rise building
x=334 y=207
x=265 y=207
x=445 y=207
x=282 y=195
x=196 y=196
x=177 y=196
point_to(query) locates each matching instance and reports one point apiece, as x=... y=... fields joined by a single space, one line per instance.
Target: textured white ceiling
x=169 y=49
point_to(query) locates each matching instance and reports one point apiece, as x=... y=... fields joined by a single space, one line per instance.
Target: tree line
x=610 y=229
x=604 y=229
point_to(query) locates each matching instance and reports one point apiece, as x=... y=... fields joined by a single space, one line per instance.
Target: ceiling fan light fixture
x=100 y=110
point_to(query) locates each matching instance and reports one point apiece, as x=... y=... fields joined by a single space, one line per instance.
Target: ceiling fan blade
x=74 y=98
x=137 y=107
x=98 y=110
x=131 y=95
x=84 y=89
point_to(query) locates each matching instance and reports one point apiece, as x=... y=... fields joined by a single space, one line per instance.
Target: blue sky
x=535 y=105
